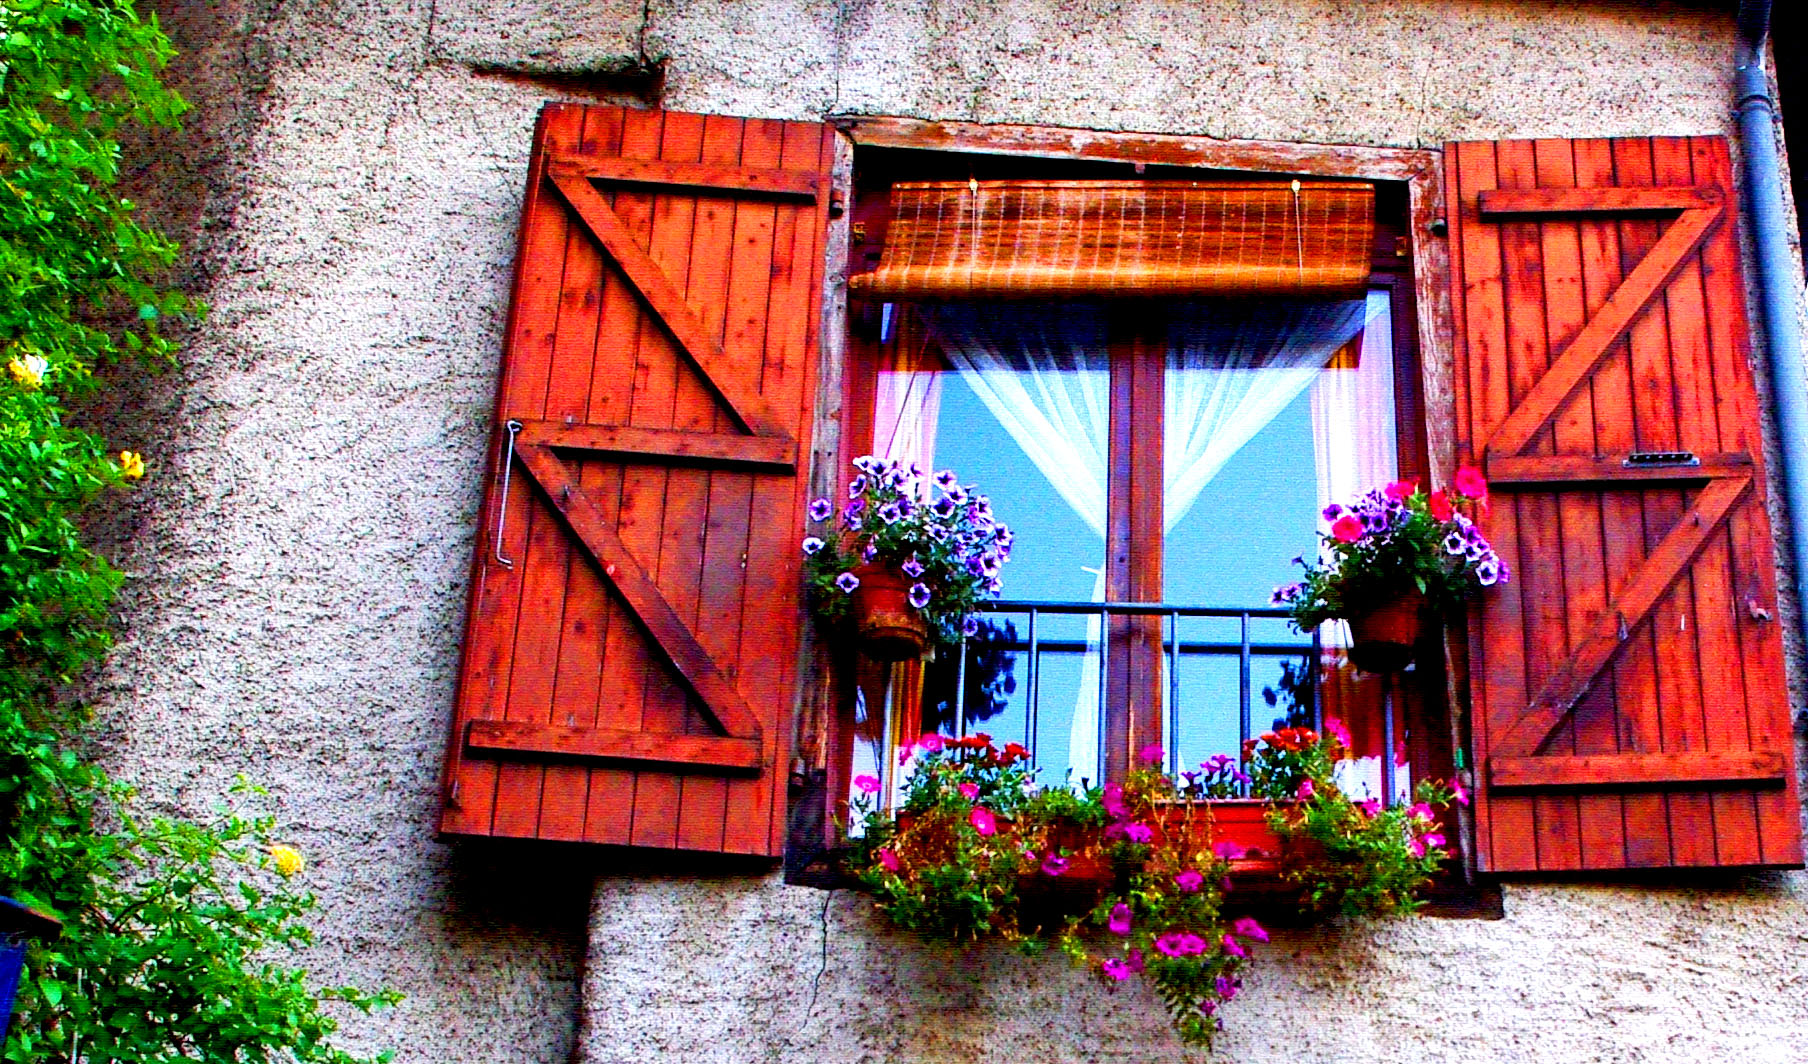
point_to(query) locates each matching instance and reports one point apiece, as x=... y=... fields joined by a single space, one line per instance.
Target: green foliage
x=1376 y=859
x=171 y=928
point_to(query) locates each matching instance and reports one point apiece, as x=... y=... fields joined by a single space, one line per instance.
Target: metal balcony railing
x=1175 y=649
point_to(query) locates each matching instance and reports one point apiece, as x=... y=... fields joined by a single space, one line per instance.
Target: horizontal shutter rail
x=722 y=703
x=667 y=303
x=1532 y=726
x=727 y=180
x=1743 y=768
x=502 y=737
x=1535 y=472
x=1570 y=368
x=1501 y=201
x=672 y=446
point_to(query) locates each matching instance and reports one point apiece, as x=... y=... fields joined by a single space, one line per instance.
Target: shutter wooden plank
x=1571 y=367
x=1498 y=650
x=1746 y=767
x=1506 y=201
x=667 y=301
x=1758 y=646
x=1540 y=571
x=494 y=601
x=1601 y=818
x=660 y=368
x=534 y=653
x=702 y=496
x=713 y=448
x=626 y=658
x=571 y=397
x=702 y=177
x=1507 y=474
x=1642 y=746
x=614 y=744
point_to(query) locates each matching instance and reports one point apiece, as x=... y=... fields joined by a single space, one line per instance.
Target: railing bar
x=1243 y=721
x=1032 y=709
x=1100 y=731
x=1174 y=695
x=1079 y=606
x=1265 y=649
x=1387 y=738
x=1315 y=669
x=960 y=691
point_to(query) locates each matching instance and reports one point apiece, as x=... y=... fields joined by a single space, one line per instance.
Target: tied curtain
x=1042 y=369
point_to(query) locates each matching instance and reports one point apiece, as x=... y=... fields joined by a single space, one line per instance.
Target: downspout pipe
x=1777 y=282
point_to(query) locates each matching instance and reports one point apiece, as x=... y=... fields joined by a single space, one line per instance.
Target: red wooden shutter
x=631 y=646
x=1629 y=707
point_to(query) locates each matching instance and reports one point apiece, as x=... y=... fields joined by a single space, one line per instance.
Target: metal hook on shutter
x=508 y=464
x=1299 y=231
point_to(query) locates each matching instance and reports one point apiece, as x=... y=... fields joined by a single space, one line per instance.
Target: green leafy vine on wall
x=173 y=930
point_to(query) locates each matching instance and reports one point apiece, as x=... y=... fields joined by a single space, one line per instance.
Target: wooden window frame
x=1424 y=332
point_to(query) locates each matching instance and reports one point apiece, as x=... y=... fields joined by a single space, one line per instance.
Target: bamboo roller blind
x=1046 y=238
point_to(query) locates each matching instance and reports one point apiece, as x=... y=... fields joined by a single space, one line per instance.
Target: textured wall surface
x=349 y=186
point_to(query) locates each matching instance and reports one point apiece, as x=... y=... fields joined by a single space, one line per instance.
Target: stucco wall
x=350 y=187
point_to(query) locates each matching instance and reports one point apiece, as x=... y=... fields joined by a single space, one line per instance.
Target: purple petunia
x=892 y=512
x=1189 y=882
x=812 y=545
x=857 y=487
x=1487 y=572
x=847 y=582
x=821 y=509
x=919 y=595
x=1227 y=987
x=912 y=568
x=1054 y=864
x=946 y=480
x=970 y=626
x=943 y=508
x=852 y=514
x=870 y=552
x=1332 y=512
x=1119 y=922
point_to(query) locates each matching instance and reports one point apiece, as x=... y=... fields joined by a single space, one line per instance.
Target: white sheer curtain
x=1042 y=370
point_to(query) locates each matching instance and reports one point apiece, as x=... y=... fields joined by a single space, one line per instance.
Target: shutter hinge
x=1758 y=613
x=837 y=203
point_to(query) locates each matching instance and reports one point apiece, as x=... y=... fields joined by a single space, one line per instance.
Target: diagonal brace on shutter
x=665 y=299
x=1528 y=729
x=722 y=701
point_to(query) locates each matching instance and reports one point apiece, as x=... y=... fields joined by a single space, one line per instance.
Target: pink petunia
x=1136 y=959
x=1180 y=944
x=1401 y=490
x=1189 y=882
x=1462 y=793
x=1370 y=807
x=1115 y=970
x=1248 y=928
x=968 y=790
x=1054 y=864
x=1433 y=839
x=1228 y=850
x=1421 y=811
x=1150 y=754
x=983 y=821
x=1470 y=483
x=1141 y=834
x=1119 y=923
x=1233 y=947
x=1305 y=791
x=1416 y=846
x=1114 y=800
x=866 y=784
x=889 y=859
x=1339 y=731
x=1346 y=529
x=930 y=743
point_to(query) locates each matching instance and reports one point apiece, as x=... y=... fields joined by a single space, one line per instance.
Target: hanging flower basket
x=888 y=626
x=1382 y=639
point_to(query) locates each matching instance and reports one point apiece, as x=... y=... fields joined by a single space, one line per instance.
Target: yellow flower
x=29 y=370
x=288 y=859
x=131 y=463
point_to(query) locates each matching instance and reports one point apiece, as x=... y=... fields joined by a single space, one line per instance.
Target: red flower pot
x=888 y=626
x=1382 y=639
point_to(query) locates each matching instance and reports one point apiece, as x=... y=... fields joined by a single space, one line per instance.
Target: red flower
x=1346 y=529
x=1401 y=490
x=1470 y=483
x=1440 y=506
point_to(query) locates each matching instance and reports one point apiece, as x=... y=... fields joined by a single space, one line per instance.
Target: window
x=1172 y=451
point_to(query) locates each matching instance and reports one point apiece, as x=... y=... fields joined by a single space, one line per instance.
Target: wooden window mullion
x=1133 y=536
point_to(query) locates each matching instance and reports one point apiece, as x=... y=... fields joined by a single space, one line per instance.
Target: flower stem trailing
x=173 y=929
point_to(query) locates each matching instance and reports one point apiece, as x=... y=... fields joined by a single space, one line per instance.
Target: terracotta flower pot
x=888 y=626
x=1383 y=638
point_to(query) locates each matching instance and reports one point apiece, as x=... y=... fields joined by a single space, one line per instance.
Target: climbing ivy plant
x=174 y=931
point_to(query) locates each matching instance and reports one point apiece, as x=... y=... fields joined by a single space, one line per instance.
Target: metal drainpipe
x=1777 y=282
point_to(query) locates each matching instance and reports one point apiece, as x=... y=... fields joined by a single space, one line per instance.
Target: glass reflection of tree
x=991 y=678
x=1291 y=695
